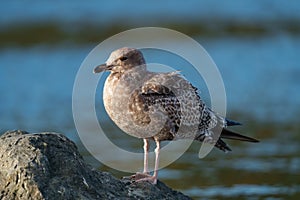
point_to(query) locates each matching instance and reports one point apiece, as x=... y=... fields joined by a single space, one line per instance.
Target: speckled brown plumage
x=159 y=106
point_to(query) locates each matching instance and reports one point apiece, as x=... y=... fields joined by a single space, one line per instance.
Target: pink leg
x=146 y=150
x=153 y=179
x=157 y=149
x=145 y=174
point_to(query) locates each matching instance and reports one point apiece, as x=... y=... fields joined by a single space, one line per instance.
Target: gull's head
x=121 y=60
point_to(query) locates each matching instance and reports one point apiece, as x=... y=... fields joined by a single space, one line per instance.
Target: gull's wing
x=175 y=101
x=157 y=102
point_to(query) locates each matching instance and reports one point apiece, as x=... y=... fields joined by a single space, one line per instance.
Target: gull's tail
x=227 y=134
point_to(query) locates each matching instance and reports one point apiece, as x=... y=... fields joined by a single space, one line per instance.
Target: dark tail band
x=227 y=134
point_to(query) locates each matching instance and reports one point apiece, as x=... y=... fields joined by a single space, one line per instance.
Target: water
x=260 y=72
x=261 y=82
x=266 y=73
x=104 y=11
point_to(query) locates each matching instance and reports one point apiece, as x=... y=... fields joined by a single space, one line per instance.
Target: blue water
x=261 y=77
x=147 y=12
x=261 y=80
x=34 y=83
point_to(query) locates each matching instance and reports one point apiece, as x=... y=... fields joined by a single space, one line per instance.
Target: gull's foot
x=151 y=179
x=137 y=176
x=140 y=175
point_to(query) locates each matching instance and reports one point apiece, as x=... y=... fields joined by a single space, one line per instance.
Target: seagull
x=159 y=106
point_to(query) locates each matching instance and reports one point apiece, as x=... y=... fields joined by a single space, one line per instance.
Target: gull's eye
x=123 y=58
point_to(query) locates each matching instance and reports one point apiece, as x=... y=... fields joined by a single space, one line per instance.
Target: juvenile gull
x=159 y=106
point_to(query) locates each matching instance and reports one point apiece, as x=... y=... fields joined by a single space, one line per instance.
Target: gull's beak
x=101 y=68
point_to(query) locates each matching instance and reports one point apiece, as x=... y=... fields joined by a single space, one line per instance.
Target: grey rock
x=49 y=166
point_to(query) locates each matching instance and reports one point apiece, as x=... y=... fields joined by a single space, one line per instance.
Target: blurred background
x=255 y=44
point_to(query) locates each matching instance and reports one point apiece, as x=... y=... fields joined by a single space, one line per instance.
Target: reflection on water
x=262 y=89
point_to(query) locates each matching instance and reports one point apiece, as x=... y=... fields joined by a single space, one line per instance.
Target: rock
x=49 y=166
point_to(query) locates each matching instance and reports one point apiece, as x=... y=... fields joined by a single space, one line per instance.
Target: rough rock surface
x=48 y=166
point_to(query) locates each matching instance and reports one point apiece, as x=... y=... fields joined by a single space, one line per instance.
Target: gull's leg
x=157 y=149
x=153 y=179
x=145 y=173
x=146 y=150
